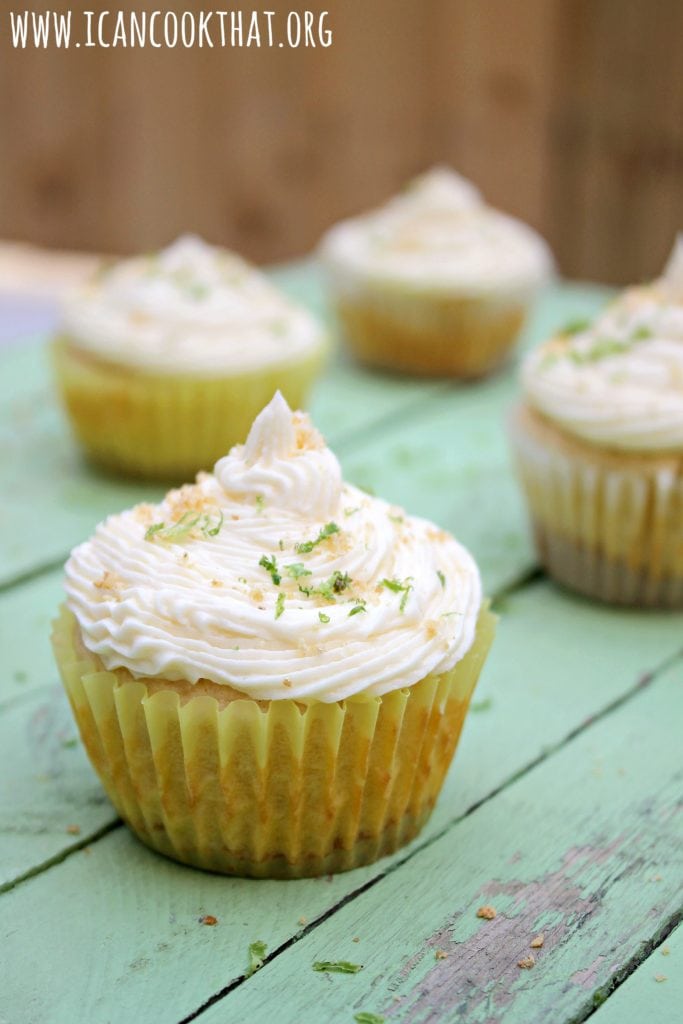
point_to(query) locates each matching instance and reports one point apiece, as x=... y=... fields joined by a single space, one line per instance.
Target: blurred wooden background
x=568 y=113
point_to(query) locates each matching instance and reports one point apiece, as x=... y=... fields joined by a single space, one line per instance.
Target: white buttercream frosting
x=276 y=578
x=439 y=235
x=189 y=308
x=618 y=381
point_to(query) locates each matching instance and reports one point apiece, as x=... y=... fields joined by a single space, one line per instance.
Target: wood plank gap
x=601 y=996
x=59 y=858
x=534 y=574
x=32 y=574
x=388 y=421
x=641 y=684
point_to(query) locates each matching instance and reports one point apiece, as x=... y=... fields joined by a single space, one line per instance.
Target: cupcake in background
x=164 y=360
x=435 y=282
x=599 y=446
x=270 y=669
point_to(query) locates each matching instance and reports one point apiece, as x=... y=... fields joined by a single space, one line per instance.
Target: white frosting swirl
x=618 y=383
x=438 y=235
x=280 y=581
x=189 y=308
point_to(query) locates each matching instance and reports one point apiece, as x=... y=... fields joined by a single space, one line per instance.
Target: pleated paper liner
x=607 y=524
x=168 y=426
x=430 y=334
x=271 y=789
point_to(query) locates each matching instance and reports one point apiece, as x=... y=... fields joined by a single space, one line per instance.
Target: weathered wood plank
x=523 y=683
x=584 y=850
x=56 y=499
x=654 y=992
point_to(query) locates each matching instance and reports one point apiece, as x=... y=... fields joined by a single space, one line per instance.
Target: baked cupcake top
x=274 y=577
x=618 y=382
x=439 y=234
x=189 y=308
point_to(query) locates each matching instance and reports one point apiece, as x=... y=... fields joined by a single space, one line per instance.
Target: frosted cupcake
x=435 y=281
x=270 y=669
x=164 y=360
x=599 y=444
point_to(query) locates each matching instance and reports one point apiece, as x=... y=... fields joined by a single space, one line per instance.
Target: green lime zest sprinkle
x=213 y=531
x=602 y=349
x=260 y=502
x=368 y=1018
x=442 y=578
x=257 y=954
x=357 y=609
x=184 y=526
x=397 y=587
x=641 y=333
x=336 y=584
x=337 y=966
x=279 y=605
x=297 y=569
x=307 y=546
x=323 y=618
x=481 y=705
x=351 y=511
x=576 y=326
x=396 y=519
x=197 y=289
x=270 y=565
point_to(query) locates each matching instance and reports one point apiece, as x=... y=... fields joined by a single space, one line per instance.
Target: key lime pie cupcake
x=164 y=360
x=599 y=444
x=436 y=281
x=270 y=669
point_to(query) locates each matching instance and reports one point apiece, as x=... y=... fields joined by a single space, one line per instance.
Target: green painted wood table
x=562 y=810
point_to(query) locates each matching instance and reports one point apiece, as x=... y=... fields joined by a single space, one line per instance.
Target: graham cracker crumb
x=189 y=498
x=302 y=920
x=208 y=919
x=665 y=950
x=356 y=938
x=216 y=583
x=110 y=581
x=660 y=977
x=526 y=963
x=487 y=912
x=440 y=954
x=73 y=830
x=144 y=514
x=286 y=682
x=538 y=941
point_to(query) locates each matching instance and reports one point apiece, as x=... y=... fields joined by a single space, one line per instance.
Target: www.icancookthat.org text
x=224 y=29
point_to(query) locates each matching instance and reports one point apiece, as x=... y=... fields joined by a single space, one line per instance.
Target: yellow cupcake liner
x=168 y=426
x=276 y=789
x=428 y=333
x=607 y=524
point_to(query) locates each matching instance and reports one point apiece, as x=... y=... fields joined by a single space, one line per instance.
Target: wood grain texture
x=529 y=705
x=584 y=845
x=569 y=113
x=349 y=405
x=654 y=992
x=597 y=871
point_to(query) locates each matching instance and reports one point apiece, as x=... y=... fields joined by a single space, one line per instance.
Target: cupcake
x=599 y=445
x=435 y=281
x=164 y=360
x=270 y=669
